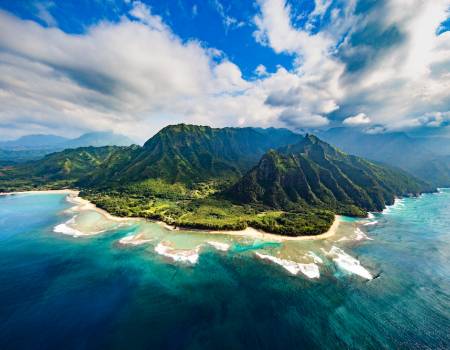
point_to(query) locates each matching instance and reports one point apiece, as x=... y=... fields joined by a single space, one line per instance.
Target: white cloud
x=227 y=20
x=356 y=120
x=399 y=84
x=376 y=129
x=261 y=70
x=297 y=118
x=43 y=12
x=412 y=77
x=132 y=77
x=142 y=12
x=313 y=87
x=136 y=75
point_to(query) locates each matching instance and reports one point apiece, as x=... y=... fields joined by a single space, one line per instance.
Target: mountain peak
x=314 y=173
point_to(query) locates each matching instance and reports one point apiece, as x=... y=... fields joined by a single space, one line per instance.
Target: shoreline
x=81 y=204
x=262 y=235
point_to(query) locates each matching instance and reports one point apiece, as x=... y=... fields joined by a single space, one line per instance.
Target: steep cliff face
x=315 y=173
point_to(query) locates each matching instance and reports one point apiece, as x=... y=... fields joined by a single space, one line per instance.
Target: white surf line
x=348 y=263
x=66 y=229
x=184 y=256
x=398 y=203
x=219 y=245
x=134 y=240
x=309 y=270
x=370 y=223
x=360 y=235
x=315 y=257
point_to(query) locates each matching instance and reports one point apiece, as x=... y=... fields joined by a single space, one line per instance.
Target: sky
x=133 y=67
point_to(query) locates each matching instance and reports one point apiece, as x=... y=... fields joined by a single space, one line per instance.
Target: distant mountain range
x=425 y=157
x=32 y=147
x=230 y=178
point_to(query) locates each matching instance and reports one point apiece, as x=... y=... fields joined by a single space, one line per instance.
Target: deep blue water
x=58 y=292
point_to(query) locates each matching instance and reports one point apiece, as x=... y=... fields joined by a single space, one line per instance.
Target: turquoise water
x=61 y=292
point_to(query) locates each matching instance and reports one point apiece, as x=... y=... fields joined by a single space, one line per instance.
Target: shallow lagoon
x=61 y=291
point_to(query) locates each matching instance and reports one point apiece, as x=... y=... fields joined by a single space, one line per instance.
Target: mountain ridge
x=230 y=178
x=414 y=155
x=33 y=147
x=192 y=153
x=313 y=172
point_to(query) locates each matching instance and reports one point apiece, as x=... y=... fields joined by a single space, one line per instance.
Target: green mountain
x=190 y=154
x=33 y=147
x=313 y=173
x=423 y=157
x=55 y=169
x=230 y=178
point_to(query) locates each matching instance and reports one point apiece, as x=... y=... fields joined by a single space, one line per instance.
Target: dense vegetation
x=426 y=158
x=197 y=209
x=314 y=173
x=34 y=147
x=56 y=170
x=205 y=178
x=192 y=154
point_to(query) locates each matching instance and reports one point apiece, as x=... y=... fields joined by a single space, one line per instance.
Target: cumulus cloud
x=357 y=120
x=295 y=117
x=405 y=71
x=43 y=12
x=388 y=60
x=312 y=89
x=135 y=75
x=375 y=129
x=261 y=70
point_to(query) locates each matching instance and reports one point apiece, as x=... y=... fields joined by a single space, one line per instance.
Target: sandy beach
x=258 y=234
x=83 y=204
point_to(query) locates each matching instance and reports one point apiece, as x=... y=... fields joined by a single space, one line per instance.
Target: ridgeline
x=222 y=179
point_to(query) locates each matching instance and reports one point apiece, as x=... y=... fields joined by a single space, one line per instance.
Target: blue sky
x=67 y=67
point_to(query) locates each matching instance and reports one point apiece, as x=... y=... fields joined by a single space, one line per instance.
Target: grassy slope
x=56 y=170
x=180 y=175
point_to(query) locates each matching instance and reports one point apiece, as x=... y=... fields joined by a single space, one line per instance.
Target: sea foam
x=398 y=203
x=315 y=257
x=371 y=223
x=133 y=240
x=360 y=235
x=219 y=245
x=183 y=256
x=309 y=270
x=348 y=263
x=67 y=230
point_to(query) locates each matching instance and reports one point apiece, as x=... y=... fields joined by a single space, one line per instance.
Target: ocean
x=75 y=280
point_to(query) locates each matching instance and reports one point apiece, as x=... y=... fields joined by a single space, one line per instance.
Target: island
x=225 y=179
